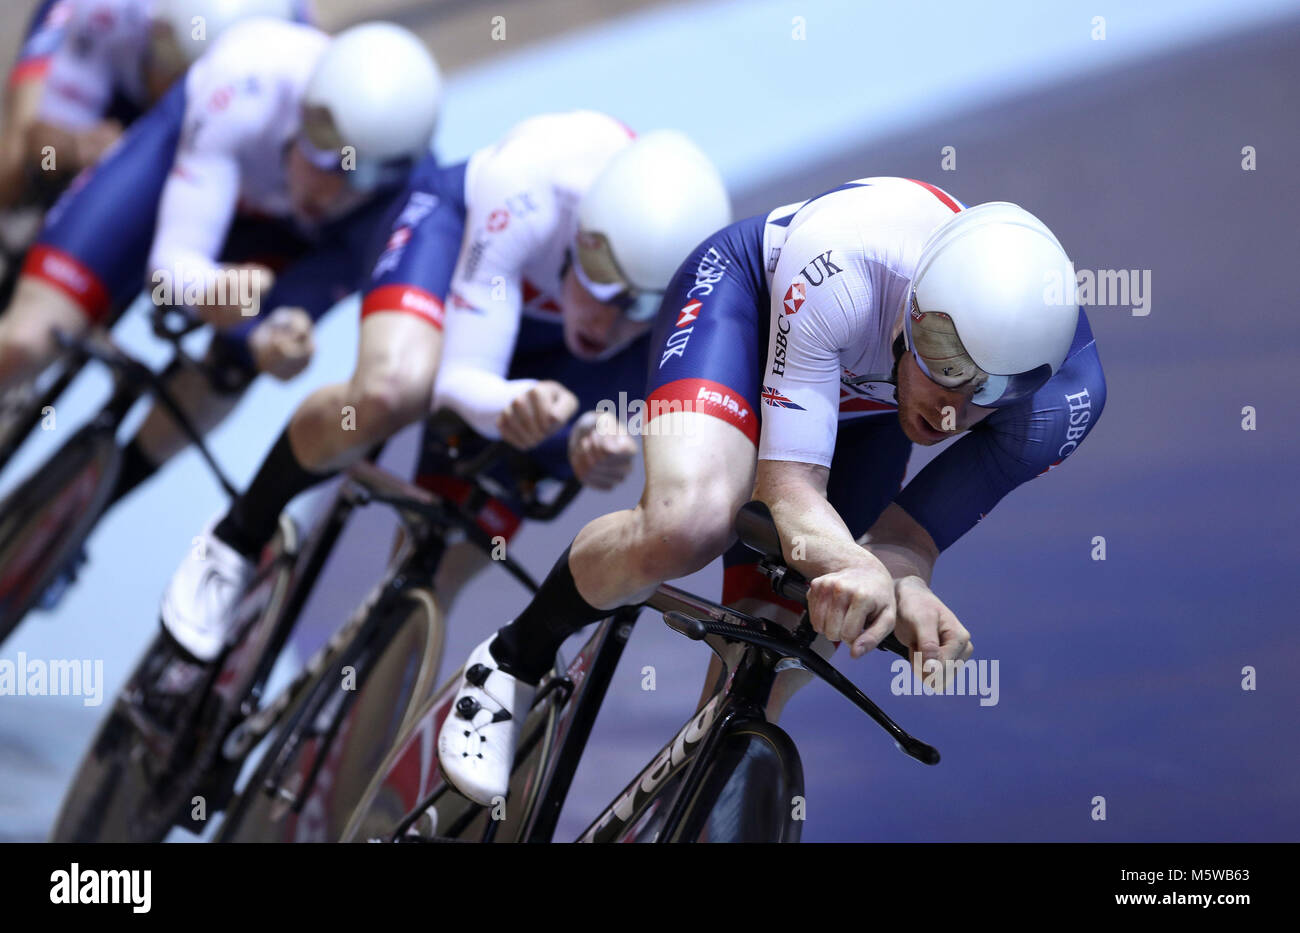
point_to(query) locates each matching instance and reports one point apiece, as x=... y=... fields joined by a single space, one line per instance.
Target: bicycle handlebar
x=173 y=322
x=473 y=469
x=136 y=373
x=756 y=528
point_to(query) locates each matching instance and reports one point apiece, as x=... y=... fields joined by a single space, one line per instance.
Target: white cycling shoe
x=476 y=744
x=198 y=607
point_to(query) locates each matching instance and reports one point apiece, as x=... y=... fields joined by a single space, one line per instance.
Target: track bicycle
x=728 y=775
x=178 y=732
x=46 y=519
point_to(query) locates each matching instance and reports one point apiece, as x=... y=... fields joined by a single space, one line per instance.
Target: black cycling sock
x=254 y=516
x=526 y=647
x=136 y=468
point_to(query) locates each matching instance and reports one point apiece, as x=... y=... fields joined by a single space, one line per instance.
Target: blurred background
x=1119 y=678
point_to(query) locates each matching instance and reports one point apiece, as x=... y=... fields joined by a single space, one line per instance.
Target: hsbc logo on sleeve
x=794 y=299
x=782 y=345
x=419 y=206
x=708 y=272
x=690 y=311
x=1080 y=406
x=392 y=253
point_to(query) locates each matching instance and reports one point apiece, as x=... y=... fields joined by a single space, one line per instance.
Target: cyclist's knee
x=682 y=533
x=388 y=401
x=27 y=328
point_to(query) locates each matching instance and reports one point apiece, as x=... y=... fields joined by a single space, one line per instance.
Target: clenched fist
x=855 y=605
x=536 y=414
x=282 y=345
x=601 y=456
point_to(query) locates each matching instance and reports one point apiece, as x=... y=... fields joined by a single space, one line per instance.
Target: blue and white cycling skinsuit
x=480 y=250
x=774 y=325
x=92 y=54
x=200 y=180
x=41 y=39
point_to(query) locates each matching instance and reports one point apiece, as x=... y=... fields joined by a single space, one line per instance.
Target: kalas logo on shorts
x=689 y=312
x=61 y=270
x=794 y=298
x=497 y=220
x=723 y=400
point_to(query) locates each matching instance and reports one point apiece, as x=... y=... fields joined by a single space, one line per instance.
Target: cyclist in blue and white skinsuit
x=813 y=315
x=89 y=68
x=24 y=87
x=282 y=149
x=497 y=293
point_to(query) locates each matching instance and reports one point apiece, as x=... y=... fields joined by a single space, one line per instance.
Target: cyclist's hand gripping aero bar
x=758 y=532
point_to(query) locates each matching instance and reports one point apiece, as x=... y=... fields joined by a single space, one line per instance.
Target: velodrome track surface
x=1119 y=678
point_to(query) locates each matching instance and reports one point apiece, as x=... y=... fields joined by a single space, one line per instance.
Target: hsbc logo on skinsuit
x=708 y=272
x=401 y=236
x=690 y=311
x=392 y=254
x=794 y=298
x=420 y=206
x=782 y=345
x=1080 y=414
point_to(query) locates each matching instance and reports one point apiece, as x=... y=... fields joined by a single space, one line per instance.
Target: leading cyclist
x=876 y=316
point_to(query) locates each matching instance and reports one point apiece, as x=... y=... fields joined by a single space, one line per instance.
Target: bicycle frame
x=428 y=521
x=669 y=799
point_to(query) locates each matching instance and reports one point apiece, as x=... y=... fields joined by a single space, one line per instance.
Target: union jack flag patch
x=774 y=398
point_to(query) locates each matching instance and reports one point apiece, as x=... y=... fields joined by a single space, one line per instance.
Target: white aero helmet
x=195 y=24
x=993 y=301
x=374 y=96
x=647 y=209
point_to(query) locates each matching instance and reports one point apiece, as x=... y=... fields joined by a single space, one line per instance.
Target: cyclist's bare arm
x=901 y=544
x=72 y=149
x=21 y=103
x=851 y=598
x=194 y=216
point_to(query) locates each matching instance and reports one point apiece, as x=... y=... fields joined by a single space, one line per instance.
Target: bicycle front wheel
x=115 y=794
x=45 y=520
x=751 y=789
x=317 y=767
